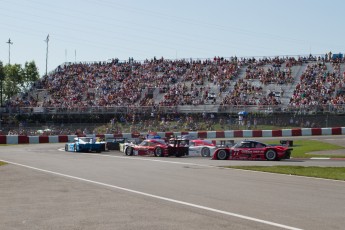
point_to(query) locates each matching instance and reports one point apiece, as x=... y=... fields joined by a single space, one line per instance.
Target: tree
x=13 y=80
x=30 y=75
x=18 y=79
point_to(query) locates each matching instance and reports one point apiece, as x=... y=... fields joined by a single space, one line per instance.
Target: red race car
x=253 y=150
x=158 y=148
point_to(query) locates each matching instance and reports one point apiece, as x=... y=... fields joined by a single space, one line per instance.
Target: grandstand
x=224 y=86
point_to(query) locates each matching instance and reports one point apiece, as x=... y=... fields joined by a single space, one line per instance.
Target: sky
x=100 y=30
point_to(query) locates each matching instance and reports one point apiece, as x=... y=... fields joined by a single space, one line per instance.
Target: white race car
x=204 y=148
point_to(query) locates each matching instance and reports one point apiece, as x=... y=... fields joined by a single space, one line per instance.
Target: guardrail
x=23 y=139
x=264 y=109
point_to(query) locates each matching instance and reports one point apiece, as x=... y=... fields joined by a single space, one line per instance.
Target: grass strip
x=334 y=173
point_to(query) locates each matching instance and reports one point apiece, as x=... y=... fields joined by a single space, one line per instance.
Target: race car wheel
x=158 y=152
x=66 y=148
x=222 y=154
x=205 y=152
x=129 y=151
x=75 y=148
x=271 y=155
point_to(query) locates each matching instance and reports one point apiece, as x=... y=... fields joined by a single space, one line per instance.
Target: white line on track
x=161 y=197
x=320 y=158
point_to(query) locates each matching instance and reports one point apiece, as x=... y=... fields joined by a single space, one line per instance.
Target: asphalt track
x=46 y=188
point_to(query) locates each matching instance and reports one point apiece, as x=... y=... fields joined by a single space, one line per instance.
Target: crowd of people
x=186 y=82
x=318 y=86
x=244 y=93
x=271 y=75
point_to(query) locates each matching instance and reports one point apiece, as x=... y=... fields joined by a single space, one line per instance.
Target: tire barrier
x=22 y=139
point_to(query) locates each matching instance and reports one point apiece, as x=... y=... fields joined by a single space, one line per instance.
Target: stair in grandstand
x=342 y=70
x=241 y=75
x=329 y=67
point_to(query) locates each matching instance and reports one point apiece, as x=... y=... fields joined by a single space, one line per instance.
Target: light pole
x=9 y=42
x=47 y=41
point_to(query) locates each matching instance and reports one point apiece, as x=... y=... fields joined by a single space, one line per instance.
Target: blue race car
x=85 y=144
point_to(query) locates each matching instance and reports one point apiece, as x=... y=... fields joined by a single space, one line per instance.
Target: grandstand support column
x=47 y=41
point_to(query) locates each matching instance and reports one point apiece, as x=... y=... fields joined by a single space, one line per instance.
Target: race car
x=204 y=148
x=114 y=143
x=85 y=144
x=158 y=148
x=253 y=150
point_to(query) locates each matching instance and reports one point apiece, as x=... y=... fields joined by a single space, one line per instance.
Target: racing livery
x=158 y=148
x=85 y=144
x=253 y=150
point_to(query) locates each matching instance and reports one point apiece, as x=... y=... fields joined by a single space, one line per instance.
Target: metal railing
x=230 y=109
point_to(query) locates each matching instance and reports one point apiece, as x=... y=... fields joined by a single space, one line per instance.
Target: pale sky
x=98 y=30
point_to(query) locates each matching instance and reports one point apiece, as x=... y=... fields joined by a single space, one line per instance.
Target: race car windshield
x=208 y=142
x=260 y=145
x=243 y=145
x=160 y=141
x=85 y=139
x=144 y=143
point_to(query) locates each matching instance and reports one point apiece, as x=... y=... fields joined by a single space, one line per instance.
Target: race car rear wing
x=178 y=147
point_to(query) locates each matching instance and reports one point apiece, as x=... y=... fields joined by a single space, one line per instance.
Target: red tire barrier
x=43 y=139
x=257 y=133
x=22 y=139
x=220 y=134
x=238 y=133
x=3 y=139
x=202 y=134
x=296 y=132
x=316 y=131
x=63 y=138
x=276 y=133
x=336 y=131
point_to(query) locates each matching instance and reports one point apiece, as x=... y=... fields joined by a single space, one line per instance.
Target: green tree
x=30 y=75
x=18 y=79
x=13 y=80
